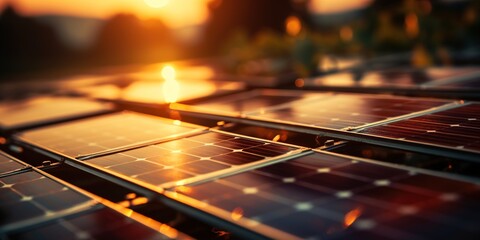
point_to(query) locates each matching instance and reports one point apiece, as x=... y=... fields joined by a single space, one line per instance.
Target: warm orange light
x=293 y=26
x=346 y=33
x=411 y=25
x=175 y=14
x=3 y=140
x=139 y=201
x=183 y=189
x=125 y=204
x=351 y=217
x=171 y=87
x=420 y=57
x=168 y=231
x=276 y=138
x=168 y=73
x=130 y=196
x=299 y=83
x=237 y=214
x=156 y=3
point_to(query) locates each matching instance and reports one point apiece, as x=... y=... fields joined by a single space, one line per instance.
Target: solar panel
x=31 y=195
x=347 y=110
x=189 y=157
x=254 y=101
x=102 y=223
x=324 y=110
x=151 y=92
x=419 y=159
x=7 y=164
x=457 y=127
x=104 y=133
x=323 y=196
x=41 y=110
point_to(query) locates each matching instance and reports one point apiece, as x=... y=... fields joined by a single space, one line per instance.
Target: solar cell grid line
x=191 y=158
x=10 y=165
x=103 y=223
x=347 y=111
x=105 y=134
x=42 y=110
x=31 y=197
x=330 y=196
x=457 y=128
x=97 y=219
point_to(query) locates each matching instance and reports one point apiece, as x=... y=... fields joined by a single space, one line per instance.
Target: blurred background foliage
x=267 y=37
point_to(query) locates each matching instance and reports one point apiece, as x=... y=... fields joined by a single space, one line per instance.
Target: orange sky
x=175 y=13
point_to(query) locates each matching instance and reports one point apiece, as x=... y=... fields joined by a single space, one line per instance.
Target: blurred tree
x=27 y=45
x=126 y=39
x=250 y=16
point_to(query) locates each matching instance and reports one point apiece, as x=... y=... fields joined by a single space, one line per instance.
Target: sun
x=156 y=3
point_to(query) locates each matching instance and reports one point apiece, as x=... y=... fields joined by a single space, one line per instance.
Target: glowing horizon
x=175 y=13
x=193 y=12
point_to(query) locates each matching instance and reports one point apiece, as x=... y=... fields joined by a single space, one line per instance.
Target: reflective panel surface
x=188 y=157
x=99 y=224
x=255 y=100
x=320 y=196
x=8 y=165
x=29 y=195
x=458 y=127
x=22 y=113
x=348 y=110
x=103 y=133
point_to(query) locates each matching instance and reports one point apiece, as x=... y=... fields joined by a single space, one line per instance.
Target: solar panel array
x=320 y=196
x=255 y=100
x=277 y=190
x=458 y=128
x=39 y=110
x=344 y=110
x=99 y=134
x=30 y=195
x=101 y=223
x=188 y=157
x=34 y=206
x=337 y=111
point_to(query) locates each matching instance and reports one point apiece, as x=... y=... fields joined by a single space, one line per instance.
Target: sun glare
x=168 y=73
x=171 y=87
x=156 y=3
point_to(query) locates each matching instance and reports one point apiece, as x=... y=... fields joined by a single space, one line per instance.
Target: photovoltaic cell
x=458 y=127
x=7 y=164
x=98 y=134
x=255 y=100
x=347 y=110
x=30 y=195
x=317 y=109
x=321 y=196
x=99 y=224
x=40 y=110
x=187 y=157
